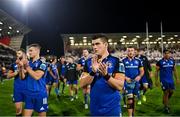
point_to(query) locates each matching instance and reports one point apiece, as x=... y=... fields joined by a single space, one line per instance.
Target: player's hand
x=21 y=64
x=17 y=61
x=137 y=78
x=25 y=62
x=128 y=79
x=103 y=69
x=95 y=64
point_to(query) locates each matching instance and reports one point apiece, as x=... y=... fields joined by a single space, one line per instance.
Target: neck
x=130 y=57
x=35 y=58
x=105 y=54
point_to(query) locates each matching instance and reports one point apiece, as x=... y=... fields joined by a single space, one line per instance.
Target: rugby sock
x=56 y=91
x=144 y=91
x=86 y=98
x=63 y=87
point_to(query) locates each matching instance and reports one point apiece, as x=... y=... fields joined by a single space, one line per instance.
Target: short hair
x=166 y=50
x=35 y=45
x=130 y=47
x=22 y=50
x=103 y=37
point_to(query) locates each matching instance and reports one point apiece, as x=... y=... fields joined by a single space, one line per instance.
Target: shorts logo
x=44 y=100
x=41 y=109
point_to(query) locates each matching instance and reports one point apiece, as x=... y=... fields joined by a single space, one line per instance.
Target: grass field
x=63 y=107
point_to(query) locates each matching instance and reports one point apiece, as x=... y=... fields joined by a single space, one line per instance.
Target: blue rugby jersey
x=166 y=69
x=18 y=82
x=36 y=86
x=132 y=67
x=82 y=61
x=105 y=100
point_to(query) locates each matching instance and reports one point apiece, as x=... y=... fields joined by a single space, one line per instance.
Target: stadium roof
x=124 y=38
x=11 y=27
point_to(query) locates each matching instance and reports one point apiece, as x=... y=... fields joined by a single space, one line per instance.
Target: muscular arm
x=85 y=79
x=35 y=74
x=11 y=74
x=117 y=81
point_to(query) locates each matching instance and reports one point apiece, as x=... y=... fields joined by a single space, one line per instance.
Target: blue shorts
x=18 y=95
x=37 y=102
x=143 y=80
x=50 y=81
x=72 y=82
x=167 y=85
x=132 y=89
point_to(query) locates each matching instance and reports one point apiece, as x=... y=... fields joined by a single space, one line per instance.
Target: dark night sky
x=50 y=18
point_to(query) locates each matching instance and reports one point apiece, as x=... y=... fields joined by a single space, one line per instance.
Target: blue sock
x=56 y=91
x=86 y=98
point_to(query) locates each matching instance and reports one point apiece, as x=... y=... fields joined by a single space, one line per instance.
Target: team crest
x=136 y=62
x=109 y=64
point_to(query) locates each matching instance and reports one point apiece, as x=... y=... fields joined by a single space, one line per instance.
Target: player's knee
x=145 y=85
x=130 y=96
x=130 y=104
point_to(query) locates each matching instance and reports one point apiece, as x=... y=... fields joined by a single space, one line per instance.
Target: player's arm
x=141 y=69
x=36 y=74
x=12 y=74
x=176 y=74
x=22 y=72
x=87 y=76
x=157 y=73
x=117 y=80
x=51 y=73
x=85 y=79
x=79 y=67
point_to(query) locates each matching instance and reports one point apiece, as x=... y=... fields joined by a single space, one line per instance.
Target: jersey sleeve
x=12 y=67
x=116 y=68
x=42 y=67
x=86 y=67
x=140 y=63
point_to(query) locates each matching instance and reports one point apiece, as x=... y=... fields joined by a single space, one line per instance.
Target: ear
x=106 y=44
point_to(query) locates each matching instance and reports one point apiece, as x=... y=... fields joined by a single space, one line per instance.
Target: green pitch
x=64 y=107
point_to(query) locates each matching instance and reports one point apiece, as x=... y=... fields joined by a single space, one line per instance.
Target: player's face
x=19 y=54
x=136 y=53
x=33 y=52
x=167 y=55
x=62 y=60
x=99 y=47
x=130 y=52
x=85 y=53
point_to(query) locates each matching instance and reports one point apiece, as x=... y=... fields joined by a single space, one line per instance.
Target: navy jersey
x=166 y=69
x=104 y=98
x=71 y=72
x=53 y=68
x=18 y=83
x=132 y=67
x=82 y=61
x=62 y=69
x=36 y=86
